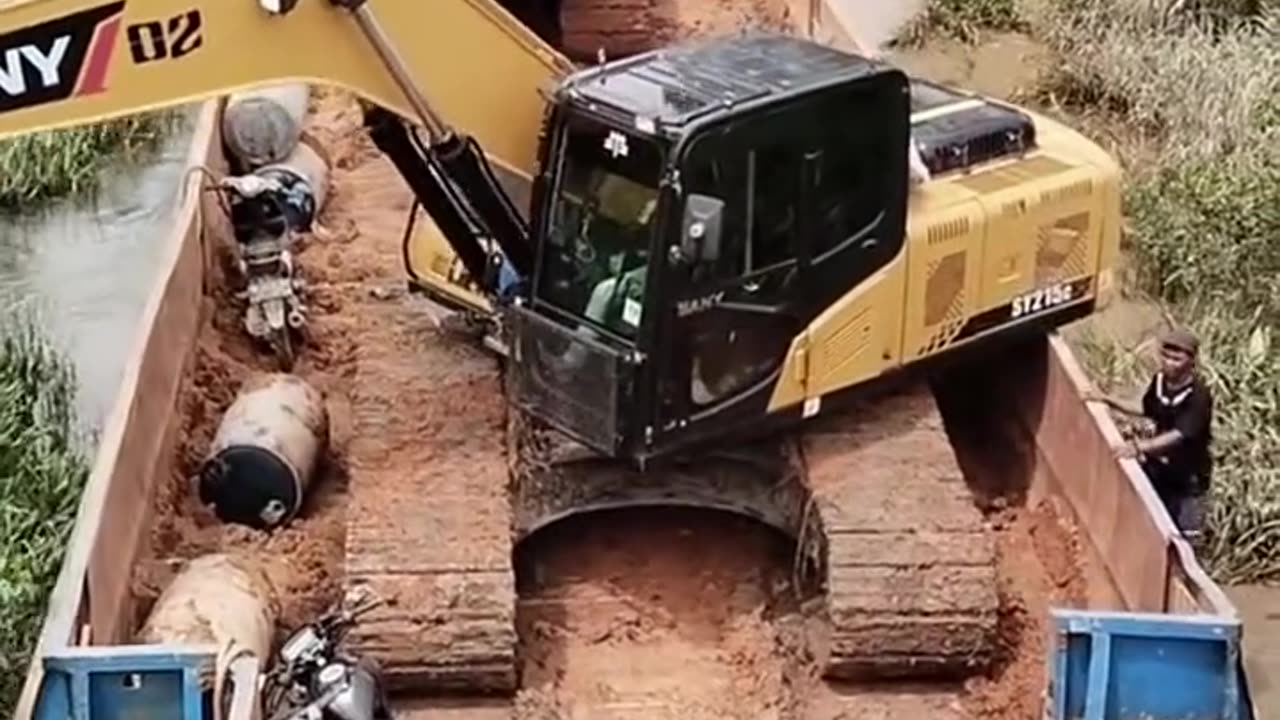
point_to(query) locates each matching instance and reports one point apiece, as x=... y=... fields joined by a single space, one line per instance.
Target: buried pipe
x=219 y=599
x=265 y=454
x=304 y=175
x=301 y=186
x=263 y=126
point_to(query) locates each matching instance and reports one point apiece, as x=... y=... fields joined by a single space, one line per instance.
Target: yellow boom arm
x=71 y=62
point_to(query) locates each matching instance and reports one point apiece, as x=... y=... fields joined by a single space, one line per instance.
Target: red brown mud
x=651 y=614
x=1041 y=563
x=659 y=614
x=303 y=559
x=624 y=27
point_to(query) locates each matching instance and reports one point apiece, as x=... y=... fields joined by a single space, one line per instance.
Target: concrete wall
x=90 y=603
x=1152 y=567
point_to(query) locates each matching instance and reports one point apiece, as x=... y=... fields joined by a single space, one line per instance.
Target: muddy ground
x=649 y=614
x=623 y=27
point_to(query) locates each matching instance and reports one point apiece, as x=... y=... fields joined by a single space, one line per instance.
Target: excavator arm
x=72 y=62
x=466 y=64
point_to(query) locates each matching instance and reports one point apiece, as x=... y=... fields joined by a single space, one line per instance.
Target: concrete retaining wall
x=91 y=602
x=1128 y=533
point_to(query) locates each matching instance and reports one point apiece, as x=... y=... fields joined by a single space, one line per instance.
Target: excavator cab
x=697 y=208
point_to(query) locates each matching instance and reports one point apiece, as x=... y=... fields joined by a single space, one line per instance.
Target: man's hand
x=1119 y=405
x=1128 y=450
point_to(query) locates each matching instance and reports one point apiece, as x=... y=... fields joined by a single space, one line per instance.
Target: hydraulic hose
x=431 y=189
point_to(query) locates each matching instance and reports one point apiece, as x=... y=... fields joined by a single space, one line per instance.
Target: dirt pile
x=625 y=27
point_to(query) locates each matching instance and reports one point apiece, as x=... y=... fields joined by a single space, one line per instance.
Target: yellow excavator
x=681 y=254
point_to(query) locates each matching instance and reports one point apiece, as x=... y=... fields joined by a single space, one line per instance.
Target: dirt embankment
x=660 y=613
x=647 y=614
x=302 y=558
x=624 y=27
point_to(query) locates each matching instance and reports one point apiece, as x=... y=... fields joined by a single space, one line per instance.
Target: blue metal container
x=1145 y=666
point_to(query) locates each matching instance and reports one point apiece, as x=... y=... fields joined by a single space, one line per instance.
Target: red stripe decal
x=94 y=78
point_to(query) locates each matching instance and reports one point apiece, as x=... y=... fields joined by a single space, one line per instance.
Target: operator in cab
x=1177 y=459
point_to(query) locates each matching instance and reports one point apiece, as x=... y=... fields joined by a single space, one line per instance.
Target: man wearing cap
x=1177 y=459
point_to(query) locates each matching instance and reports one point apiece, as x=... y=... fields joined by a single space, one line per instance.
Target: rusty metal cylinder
x=217 y=600
x=266 y=452
x=309 y=164
x=304 y=175
x=263 y=125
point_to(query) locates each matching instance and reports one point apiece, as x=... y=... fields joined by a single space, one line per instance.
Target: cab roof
x=675 y=86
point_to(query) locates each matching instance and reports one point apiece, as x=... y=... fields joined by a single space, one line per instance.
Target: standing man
x=1177 y=459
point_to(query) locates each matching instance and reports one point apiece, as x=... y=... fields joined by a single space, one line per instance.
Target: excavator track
x=910 y=564
x=887 y=533
x=429 y=525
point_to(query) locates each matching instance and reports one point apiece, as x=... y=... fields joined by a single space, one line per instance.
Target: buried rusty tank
x=266 y=452
x=223 y=600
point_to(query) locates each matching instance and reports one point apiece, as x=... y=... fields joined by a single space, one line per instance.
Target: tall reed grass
x=45 y=166
x=1198 y=87
x=963 y=20
x=42 y=470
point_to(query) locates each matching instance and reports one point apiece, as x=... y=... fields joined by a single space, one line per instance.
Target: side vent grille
x=948 y=230
x=1083 y=188
x=847 y=344
x=1015 y=208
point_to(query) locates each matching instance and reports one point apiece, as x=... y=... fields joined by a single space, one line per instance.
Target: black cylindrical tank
x=265 y=454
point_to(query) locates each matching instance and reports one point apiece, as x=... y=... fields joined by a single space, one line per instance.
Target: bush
x=963 y=20
x=42 y=470
x=1202 y=94
x=1204 y=217
x=40 y=167
x=1206 y=230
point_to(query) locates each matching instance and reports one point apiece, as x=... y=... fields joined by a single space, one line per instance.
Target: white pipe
x=263 y=126
x=216 y=600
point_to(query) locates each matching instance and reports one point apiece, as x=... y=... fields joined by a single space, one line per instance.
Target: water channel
x=88 y=266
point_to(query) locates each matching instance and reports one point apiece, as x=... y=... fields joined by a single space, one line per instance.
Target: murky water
x=88 y=267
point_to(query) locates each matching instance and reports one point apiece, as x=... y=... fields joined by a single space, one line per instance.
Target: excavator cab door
x=738 y=258
x=580 y=339
x=783 y=210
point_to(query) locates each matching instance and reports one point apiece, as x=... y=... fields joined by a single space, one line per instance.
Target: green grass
x=1187 y=92
x=963 y=20
x=1200 y=91
x=42 y=471
x=42 y=167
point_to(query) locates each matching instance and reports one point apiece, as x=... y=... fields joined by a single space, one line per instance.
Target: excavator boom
x=73 y=62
